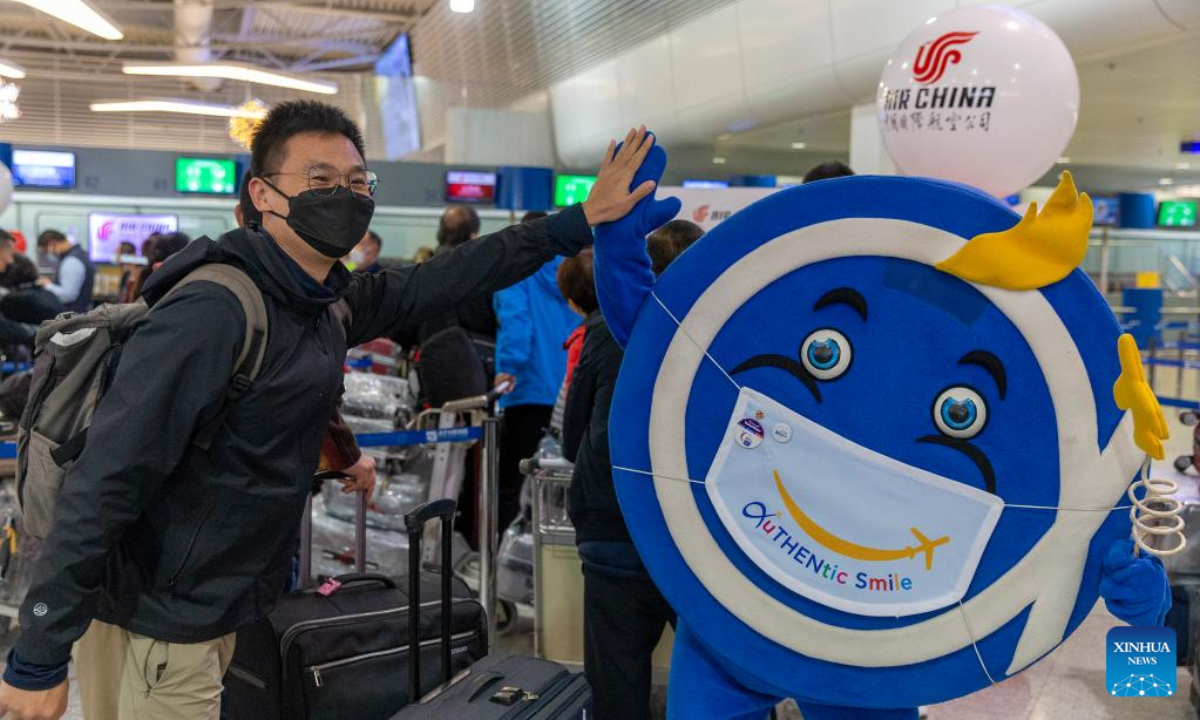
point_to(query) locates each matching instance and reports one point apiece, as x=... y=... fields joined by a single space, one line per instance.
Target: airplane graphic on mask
x=850 y=549
x=872 y=437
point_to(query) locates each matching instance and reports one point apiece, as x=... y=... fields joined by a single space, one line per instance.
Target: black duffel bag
x=342 y=650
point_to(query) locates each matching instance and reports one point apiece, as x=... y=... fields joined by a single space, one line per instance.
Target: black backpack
x=75 y=359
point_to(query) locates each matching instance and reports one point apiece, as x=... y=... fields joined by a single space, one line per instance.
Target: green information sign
x=571 y=189
x=205 y=175
x=1177 y=213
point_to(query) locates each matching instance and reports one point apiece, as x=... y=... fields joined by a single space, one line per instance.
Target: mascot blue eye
x=960 y=412
x=826 y=354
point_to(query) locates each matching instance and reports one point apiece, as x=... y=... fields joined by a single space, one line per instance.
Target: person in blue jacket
x=534 y=322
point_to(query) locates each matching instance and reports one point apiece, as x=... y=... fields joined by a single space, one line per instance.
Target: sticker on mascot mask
x=748 y=433
x=846 y=526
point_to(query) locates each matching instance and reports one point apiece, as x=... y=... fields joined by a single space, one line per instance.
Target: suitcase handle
x=356 y=577
x=415 y=522
x=360 y=530
x=479 y=684
x=423 y=513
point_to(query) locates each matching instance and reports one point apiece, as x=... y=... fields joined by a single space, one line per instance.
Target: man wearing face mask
x=365 y=255
x=166 y=549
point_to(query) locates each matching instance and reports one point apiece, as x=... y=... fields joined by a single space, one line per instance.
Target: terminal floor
x=1067 y=685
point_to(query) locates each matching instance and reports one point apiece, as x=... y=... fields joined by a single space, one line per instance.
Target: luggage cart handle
x=532 y=464
x=476 y=402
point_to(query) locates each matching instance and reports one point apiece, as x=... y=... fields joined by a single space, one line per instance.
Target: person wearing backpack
x=339 y=449
x=176 y=523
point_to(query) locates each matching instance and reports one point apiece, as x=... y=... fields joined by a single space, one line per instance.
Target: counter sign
x=1141 y=661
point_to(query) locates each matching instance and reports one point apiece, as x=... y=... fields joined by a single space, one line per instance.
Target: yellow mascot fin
x=1040 y=250
x=1132 y=392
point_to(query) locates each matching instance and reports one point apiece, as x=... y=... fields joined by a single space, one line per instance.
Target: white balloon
x=6 y=187
x=986 y=96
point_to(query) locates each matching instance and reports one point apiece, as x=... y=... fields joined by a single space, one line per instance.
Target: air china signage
x=938 y=103
x=708 y=207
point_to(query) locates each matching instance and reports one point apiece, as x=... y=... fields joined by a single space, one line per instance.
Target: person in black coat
x=25 y=305
x=623 y=612
x=162 y=545
x=25 y=301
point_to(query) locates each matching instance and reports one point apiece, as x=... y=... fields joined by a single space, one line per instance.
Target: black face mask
x=331 y=223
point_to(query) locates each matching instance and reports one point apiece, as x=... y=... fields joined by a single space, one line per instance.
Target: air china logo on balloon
x=983 y=95
x=933 y=57
x=949 y=108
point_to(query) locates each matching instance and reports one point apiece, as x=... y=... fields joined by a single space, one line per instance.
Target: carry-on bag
x=339 y=650
x=498 y=686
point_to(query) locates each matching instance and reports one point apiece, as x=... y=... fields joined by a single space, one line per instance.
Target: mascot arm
x=1134 y=589
x=624 y=275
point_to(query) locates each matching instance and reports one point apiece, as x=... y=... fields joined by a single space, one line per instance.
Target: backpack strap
x=254 y=347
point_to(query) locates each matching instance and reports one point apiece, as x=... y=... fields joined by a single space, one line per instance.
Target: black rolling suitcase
x=337 y=651
x=498 y=686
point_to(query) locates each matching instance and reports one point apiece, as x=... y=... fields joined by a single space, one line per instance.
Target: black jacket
x=162 y=538
x=474 y=314
x=592 y=502
x=30 y=304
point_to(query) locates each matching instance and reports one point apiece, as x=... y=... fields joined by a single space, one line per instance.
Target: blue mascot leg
x=832 y=712
x=701 y=689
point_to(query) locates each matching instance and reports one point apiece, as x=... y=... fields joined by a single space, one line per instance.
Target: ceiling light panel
x=187 y=107
x=78 y=13
x=232 y=71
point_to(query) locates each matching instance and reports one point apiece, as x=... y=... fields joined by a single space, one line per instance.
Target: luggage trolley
x=558 y=573
x=420 y=428
x=421 y=461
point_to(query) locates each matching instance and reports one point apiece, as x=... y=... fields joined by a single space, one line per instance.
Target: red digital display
x=470 y=187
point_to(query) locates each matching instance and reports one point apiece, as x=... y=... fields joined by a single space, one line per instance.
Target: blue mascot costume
x=873 y=438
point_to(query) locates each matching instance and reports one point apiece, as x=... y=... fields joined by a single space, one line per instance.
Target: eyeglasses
x=326 y=179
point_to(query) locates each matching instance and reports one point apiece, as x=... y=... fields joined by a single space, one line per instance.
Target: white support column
x=867 y=153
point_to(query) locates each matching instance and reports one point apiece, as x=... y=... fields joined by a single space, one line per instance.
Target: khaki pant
x=126 y=676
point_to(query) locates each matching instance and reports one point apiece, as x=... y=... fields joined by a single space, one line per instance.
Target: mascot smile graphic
x=873 y=439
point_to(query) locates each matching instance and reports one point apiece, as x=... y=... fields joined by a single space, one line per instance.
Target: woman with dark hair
x=25 y=302
x=623 y=611
x=156 y=250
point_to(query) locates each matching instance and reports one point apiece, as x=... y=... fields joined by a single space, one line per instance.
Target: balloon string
x=699 y=347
